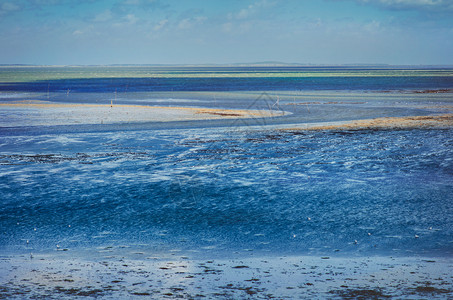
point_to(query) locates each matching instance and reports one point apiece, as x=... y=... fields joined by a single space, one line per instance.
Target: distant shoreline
x=233 y=65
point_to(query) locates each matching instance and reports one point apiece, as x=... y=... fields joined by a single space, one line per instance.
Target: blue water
x=110 y=85
x=228 y=190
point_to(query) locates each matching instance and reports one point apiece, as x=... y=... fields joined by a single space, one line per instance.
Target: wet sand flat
x=44 y=113
x=301 y=277
x=412 y=122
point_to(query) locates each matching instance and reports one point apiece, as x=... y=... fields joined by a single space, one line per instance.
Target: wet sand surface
x=64 y=276
x=44 y=113
x=412 y=122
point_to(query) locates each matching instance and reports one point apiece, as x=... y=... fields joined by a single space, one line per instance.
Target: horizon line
x=252 y=64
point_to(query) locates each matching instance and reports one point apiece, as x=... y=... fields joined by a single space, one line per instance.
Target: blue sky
x=218 y=31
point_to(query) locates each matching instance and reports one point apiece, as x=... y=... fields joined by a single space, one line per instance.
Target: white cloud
x=227 y=27
x=8 y=6
x=251 y=10
x=245 y=12
x=185 y=24
x=373 y=26
x=438 y=5
x=188 y=23
x=160 y=25
x=409 y=2
x=45 y=2
x=104 y=16
x=138 y=2
x=131 y=2
x=127 y=20
x=126 y=5
x=130 y=19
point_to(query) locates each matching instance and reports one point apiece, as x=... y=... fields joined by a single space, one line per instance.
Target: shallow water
x=229 y=188
x=220 y=191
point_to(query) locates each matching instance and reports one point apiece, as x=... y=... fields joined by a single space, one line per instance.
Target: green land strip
x=16 y=74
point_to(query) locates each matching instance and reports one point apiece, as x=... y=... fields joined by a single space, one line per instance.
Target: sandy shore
x=42 y=113
x=298 y=277
x=435 y=121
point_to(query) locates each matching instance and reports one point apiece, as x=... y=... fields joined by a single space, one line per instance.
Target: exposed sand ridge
x=434 y=121
x=35 y=113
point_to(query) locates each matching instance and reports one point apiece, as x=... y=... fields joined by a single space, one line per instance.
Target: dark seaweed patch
x=360 y=294
x=248 y=290
x=141 y=293
x=240 y=267
x=431 y=290
x=78 y=292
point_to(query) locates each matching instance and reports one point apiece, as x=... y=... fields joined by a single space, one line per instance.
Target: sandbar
x=46 y=113
x=410 y=122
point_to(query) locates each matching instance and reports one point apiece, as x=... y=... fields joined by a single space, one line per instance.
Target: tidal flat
x=61 y=276
x=182 y=182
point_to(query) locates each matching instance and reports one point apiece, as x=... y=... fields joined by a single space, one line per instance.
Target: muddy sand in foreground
x=298 y=277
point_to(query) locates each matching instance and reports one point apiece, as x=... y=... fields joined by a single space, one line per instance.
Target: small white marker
x=369 y=234
x=309 y=219
x=355 y=242
x=416 y=236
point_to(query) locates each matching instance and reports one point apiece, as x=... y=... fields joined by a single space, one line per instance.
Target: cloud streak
x=8 y=8
x=252 y=10
x=430 y=5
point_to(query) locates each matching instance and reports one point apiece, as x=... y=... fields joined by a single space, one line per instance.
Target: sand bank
x=435 y=121
x=299 y=277
x=38 y=113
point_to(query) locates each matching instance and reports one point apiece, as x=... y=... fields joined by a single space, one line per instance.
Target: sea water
x=230 y=188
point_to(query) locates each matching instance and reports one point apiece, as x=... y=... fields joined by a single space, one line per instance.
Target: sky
x=83 y=32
